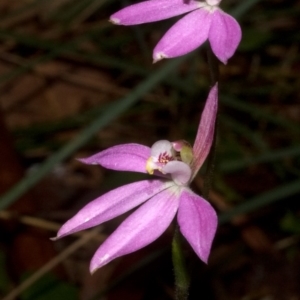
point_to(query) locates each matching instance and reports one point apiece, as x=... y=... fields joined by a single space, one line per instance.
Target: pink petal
x=180 y=172
x=113 y=204
x=205 y=134
x=185 y=36
x=198 y=222
x=141 y=228
x=151 y=11
x=126 y=157
x=224 y=35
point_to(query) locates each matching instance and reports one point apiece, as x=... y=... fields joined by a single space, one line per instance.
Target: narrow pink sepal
x=112 y=204
x=205 y=134
x=141 y=228
x=224 y=35
x=125 y=157
x=198 y=222
x=151 y=11
x=186 y=35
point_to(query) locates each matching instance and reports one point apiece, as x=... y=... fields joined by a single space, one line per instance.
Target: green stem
x=182 y=279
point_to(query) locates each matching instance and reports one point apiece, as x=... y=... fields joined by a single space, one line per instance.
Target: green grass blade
x=267 y=198
x=275 y=155
x=112 y=112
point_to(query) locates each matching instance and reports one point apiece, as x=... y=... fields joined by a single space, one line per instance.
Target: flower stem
x=182 y=279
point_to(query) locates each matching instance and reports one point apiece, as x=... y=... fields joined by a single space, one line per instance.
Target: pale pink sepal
x=112 y=204
x=151 y=11
x=224 y=35
x=141 y=228
x=198 y=222
x=126 y=157
x=185 y=36
x=205 y=134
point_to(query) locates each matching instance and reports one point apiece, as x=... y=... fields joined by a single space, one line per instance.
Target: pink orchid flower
x=204 y=21
x=176 y=164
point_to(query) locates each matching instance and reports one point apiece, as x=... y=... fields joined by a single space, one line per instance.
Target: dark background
x=62 y=66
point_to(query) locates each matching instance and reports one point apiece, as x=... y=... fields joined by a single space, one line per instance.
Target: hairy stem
x=182 y=279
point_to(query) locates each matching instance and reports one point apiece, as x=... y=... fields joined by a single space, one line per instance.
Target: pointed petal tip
x=86 y=160
x=204 y=258
x=159 y=56
x=214 y=91
x=215 y=86
x=210 y=108
x=97 y=263
x=224 y=61
x=212 y=100
x=53 y=239
x=92 y=272
x=93 y=268
x=115 y=21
